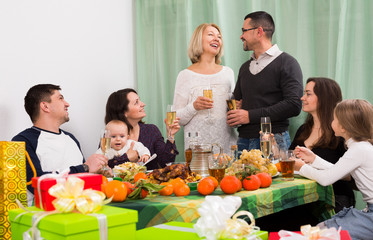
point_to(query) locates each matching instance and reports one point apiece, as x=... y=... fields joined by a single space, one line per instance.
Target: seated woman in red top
x=125 y=105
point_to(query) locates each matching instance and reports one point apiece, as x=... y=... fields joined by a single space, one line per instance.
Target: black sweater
x=274 y=92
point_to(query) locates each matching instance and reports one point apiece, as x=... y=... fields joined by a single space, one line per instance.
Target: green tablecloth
x=279 y=196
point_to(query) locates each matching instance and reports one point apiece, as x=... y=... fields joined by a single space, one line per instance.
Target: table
x=279 y=196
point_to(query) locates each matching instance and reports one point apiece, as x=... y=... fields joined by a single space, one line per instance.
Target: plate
x=277 y=174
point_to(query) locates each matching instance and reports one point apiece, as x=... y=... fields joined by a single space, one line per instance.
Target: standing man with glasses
x=269 y=85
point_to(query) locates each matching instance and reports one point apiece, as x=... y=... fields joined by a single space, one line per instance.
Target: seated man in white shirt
x=51 y=148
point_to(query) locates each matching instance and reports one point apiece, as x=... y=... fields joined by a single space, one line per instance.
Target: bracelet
x=170 y=138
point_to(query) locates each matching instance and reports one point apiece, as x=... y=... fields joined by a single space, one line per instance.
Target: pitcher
x=202 y=156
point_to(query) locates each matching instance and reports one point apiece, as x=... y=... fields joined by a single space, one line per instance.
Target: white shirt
x=257 y=65
x=57 y=152
x=357 y=161
x=138 y=146
x=190 y=85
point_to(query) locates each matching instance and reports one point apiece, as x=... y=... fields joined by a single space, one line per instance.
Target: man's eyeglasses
x=248 y=29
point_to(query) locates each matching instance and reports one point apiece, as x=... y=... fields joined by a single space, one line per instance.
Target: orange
x=167 y=190
x=176 y=182
x=230 y=184
x=130 y=187
x=278 y=165
x=206 y=186
x=181 y=190
x=251 y=183
x=104 y=182
x=216 y=183
x=117 y=190
x=240 y=185
x=140 y=175
x=265 y=179
x=144 y=193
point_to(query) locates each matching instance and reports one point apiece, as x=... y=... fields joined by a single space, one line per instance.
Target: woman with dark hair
x=125 y=105
x=321 y=95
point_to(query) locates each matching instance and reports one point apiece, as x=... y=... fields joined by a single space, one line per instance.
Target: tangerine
x=206 y=186
x=176 y=182
x=117 y=190
x=104 y=182
x=240 y=185
x=140 y=175
x=144 y=193
x=216 y=183
x=181 y=190
x=278 y=166
x=251 y=183
x=265 y=179
x=230 y=184
x=130 y=187
x=167 y=190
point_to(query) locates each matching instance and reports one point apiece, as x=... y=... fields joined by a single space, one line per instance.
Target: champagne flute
x=171 y=116
x=105 y=143
x=207 y=92
x=265 y=125
x=231 y=102
x=265 y=144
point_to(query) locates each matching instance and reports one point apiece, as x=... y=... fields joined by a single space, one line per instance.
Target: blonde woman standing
x=198 y=113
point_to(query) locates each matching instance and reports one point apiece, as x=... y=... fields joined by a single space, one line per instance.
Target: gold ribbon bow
x=70 y=195
x=238 y=228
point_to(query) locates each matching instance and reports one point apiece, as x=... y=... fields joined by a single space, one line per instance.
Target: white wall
x=85 y=46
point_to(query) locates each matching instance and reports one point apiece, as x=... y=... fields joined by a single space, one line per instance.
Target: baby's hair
x=117 y=122
x=355 y=116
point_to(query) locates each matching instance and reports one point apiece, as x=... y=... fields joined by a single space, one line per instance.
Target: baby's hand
x=144 y=158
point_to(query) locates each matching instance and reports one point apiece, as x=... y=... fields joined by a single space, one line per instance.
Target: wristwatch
x=86 y=167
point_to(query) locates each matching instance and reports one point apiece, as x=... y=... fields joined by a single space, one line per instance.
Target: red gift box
x=91 y=180
x=344 y=235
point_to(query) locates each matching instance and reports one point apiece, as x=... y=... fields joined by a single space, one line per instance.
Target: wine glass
x=207 y=92
x=265 y=143
x=171 y=116
x=265 y=125
x=105 y=143
x=231 y=102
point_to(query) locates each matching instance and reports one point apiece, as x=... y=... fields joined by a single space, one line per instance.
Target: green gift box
x=121 y=223
x=177 y=230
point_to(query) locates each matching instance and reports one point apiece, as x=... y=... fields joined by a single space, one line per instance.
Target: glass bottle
x=189 y=150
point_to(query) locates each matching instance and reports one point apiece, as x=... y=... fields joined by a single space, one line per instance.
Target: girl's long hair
x=355 y=116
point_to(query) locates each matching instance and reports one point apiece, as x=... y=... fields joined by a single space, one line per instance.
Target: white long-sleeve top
x=138 y=146
x=357 y=161
x=190 y=85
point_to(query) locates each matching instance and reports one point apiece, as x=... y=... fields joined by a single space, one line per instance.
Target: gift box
x=177 y=230
x=121 y=224
x=92 y=181
x=12 y=181
x=344 y=235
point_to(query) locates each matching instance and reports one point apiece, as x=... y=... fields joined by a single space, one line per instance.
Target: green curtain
x=330 y=38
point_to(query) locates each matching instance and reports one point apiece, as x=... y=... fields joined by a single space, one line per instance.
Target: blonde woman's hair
x=355 y=116
x=195 y=48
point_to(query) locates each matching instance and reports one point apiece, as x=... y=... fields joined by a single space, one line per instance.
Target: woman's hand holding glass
x=172 y=129
x=202 y=103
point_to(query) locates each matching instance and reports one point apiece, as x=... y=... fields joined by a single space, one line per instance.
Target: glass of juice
x=287 y=162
